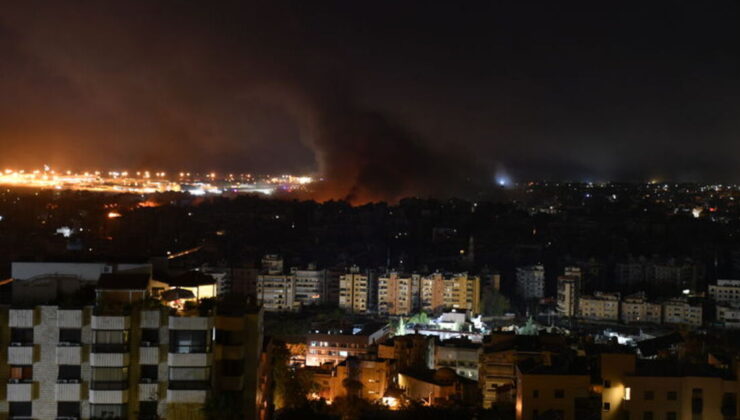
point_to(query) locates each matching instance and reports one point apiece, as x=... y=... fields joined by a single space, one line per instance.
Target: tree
x=493 y=303
x=291 y=385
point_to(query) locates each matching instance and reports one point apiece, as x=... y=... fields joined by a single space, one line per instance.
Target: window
x=147 y=410
x=232 y=367
x=149 y=373
x=188 y=342
x=108 y=411
x=559 y=393
x=70 y=336
x=20 y=409
x=110 y=341
x=649 y=395
x=627 y=393
x=672 y=396
x=607 y=406
x=149 y=337
x=21 y=373
x=21 y=336
x=536 y=393
x=69 y=372
x=607 y=383
x=68 y=409
x=109 y=378
x=228 y=338
x=671 y=415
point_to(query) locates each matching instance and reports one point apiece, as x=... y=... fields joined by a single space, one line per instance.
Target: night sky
x=386 y=98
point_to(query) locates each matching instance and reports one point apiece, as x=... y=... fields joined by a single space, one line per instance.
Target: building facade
x=353 y=291
x=530 y=282
x=144 y=363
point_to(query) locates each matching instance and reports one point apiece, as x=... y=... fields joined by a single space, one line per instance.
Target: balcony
x=149 y=391
x=108 y=396
x=111 y=322
x=149 y=355
x=187 y=392
x=20 y=391
x=21 y=354
x=231 y=352
x=150 y=319
x=189 y=359
x=69 y=318
x=68 y=390
x=109 y=359
x=190 y=323
x=109 y=348
x=69 y=355
x=21 y=318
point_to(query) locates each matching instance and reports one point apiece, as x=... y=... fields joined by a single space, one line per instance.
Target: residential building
x=599 y=306
x=353 y=291
x=502 y=352
x=433 y=292
x=276 y=292
x=725 y=291
x=559 y=390
x=682 y=311
x=438 y=387
x=462 y=291
x=110 y=362
x=636 y=308
x=567 y=301
x=334 y=344
x=729 y=316
x=411 y=351
x=309 y=285
x=530 y=282
x=397 y=293
x=460 y=355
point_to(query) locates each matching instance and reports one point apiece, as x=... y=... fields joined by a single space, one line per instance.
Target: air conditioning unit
x=16 y=344
x=14 y=381
x=73 y=381
x=146 y=344
x=146 y=380
x=62 y=381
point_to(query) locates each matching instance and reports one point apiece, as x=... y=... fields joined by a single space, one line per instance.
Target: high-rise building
x=398 y=293
x=725 y=291
x=567 y=296
x=276 y=292
x=433 y=292
x=353 y=291
x=309 y=285
x=530 y=282
x=110 y=362
x=462 y=291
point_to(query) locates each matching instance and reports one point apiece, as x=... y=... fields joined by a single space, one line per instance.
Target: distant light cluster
x=146 y=182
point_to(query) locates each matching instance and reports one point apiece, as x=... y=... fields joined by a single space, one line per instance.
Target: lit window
x=627 y=393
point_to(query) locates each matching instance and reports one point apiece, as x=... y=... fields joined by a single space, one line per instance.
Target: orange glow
x=114 y=215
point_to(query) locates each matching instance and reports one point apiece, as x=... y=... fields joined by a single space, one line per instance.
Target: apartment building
x=567 y=300
x=398 y=294
x=499 y=356
x=276 y=292
x=353 y=291
x=729 y=316
x=107 y=362
x=683 y=312
x=636 y=308
x=628 y=389
x=334 y=344
x=599 y=306
x=462 y=291
x=310 y=285
x=725 y=291
x=460 y=355
x=433 y=292
x=530 y=282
